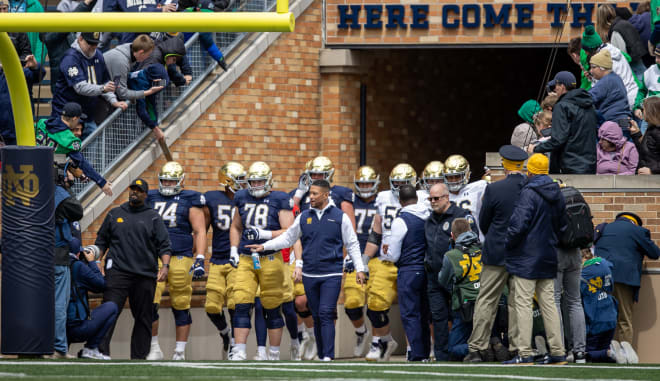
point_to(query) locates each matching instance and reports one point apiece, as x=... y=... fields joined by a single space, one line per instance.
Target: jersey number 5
x=224 y=217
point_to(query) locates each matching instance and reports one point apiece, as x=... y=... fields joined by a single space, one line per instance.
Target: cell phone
x=116 y=80
x=155 y=82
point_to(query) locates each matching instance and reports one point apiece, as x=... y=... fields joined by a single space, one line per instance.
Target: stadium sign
x=448 y=21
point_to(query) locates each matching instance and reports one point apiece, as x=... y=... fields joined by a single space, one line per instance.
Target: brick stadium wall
x=542 y=32
x=272 y=113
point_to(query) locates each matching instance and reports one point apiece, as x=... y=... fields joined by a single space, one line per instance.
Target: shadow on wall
x=426 y=104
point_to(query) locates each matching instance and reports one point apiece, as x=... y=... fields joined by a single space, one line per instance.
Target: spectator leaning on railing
x=609 y=93
x=170 y=51
x=648 y=145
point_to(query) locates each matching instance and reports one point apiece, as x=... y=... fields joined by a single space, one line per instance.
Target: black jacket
x=170 y=46
x=574 y=134
x=135 y=238
x=22 y=44
x=499 y=200
x=649 y=149
x=634 y=45
x=437 y=230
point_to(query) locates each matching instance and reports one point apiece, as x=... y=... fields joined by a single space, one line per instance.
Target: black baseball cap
x=563 y=77
x=73 y=109
x=141 y=184
x=91 y=37
x=513 y=153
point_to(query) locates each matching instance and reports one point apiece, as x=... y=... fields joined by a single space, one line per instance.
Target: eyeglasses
x=438 y=198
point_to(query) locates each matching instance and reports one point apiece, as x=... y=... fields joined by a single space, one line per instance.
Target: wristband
x=299 y=193
x=166 y=265
x=299 y=263
x=201 y=256
x=265 y=234
x=97 y=261
x=233 y=250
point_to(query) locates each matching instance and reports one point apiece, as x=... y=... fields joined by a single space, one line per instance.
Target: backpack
x=580 y=229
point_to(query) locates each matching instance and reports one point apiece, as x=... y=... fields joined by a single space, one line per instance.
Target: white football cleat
x=155 y=354
x=237 y=355
x=361 y=344
x=295 y=352
x=273 y=355
x=390 y=347
x=374 y=352
x=178 y=356
x=310 y=350
x=261 y=354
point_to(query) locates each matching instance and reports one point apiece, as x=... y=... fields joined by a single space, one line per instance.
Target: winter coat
x=625 y=244
x=170 y=46
x=535 y=225
x=523 y=135
x=574 y=134
x=437 y=230
x=624 y=160
x=119 y=62
x=610 y=98
x=649 y=149
x=622 y=68
x=643 y=25
x=630 y=35
x=21 y=43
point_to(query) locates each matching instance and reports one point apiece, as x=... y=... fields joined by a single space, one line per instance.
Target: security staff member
x=134 y=236
x=499 y=199
x=406 y=250
x=437 y=230
x=323 y=230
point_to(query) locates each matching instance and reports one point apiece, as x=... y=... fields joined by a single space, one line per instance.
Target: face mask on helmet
x=457 y=172
x=232 y=177
x=402 y=174
x=259 y=186
x=366 y=182
x=321 y=168
x=170 y=179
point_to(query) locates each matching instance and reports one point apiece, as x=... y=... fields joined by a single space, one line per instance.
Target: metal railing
x=122 y=131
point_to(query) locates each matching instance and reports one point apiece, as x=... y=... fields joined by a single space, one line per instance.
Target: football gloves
x=197 y=269
x=349 y=267
x=251 y=234
x=234 y=258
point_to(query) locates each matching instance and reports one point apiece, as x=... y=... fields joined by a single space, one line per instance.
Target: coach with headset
x=323 y=230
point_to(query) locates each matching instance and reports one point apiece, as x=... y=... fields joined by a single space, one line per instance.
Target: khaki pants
x=493 y=279
x=624 y=328
x=523 y=301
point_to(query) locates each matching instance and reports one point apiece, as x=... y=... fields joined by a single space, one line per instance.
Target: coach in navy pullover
x=407 y=248
x=323 y=230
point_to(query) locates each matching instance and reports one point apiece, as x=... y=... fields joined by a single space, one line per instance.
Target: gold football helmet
x=171 y=171
x=457 y=172
x=323 y=165
x=366 y=175
x=402 y=174
x=232 y=176
x=259 y=171
x=433 y=173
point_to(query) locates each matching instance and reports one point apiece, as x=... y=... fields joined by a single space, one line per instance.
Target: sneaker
x=326 y=359
x=261 y=355
x=89 y=353
x=226 y=340
x=310 y=350
x=553 y=360
x=155 y=354
x=618 y=352
x=631 y=355
x=178 y=356
x=580 y=357
x=517 y=360
x=473 y=357
x=360 y=344
x=390 y=347
x=237 y=355
x=501 y=353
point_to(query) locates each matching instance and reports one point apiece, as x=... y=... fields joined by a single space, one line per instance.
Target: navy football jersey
x=364 y=216
x=74 y=68
x=337 y=193
x=174 y=210
x=220 y=208
x=260 y=212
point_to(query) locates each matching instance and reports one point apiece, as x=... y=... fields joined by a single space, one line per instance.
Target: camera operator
x=83 y=324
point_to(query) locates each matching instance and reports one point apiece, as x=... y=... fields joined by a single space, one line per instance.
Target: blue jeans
x=439 y=305
x=458 y=337
x=93 y=330
x=322 y=294
x=415 y=314
x=62 y=295
x=597 y=346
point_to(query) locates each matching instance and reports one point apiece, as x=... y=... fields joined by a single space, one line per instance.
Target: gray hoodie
x=88 y=89
x=118 y=61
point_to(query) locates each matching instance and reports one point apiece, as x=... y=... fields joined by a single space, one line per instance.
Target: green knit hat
x=528 y=109
x=591 y=39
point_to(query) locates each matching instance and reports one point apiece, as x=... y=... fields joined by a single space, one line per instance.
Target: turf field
x=91 y=370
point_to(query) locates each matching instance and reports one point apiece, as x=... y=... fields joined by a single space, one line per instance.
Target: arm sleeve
x=88 y=89
x=90 y=277
x=618 y=41
x=641 y=93
x=351 y=243
x=143 y=113
x=398 y=232
x=103 y=235
x=446 y=274
x=486 y=212
x=519 y=222
x=186 y=69
x=162 y=238
x=87 y=168
x=649 y=248
x=290 y=236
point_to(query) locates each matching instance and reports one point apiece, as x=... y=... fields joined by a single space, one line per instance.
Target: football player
x=381 y=289
x=463 y=193
x=432 y=174
x=218 y=212
x=182 y=212
x=258 y=211
x=365 y=182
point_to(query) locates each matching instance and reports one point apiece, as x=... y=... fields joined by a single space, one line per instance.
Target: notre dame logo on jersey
x=22 y=185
